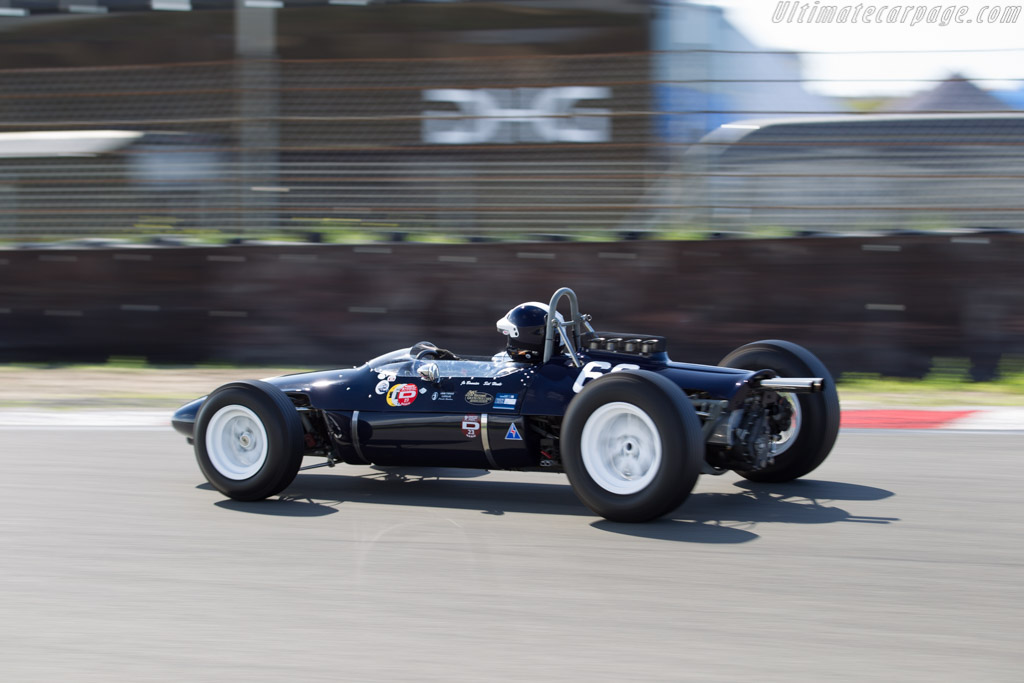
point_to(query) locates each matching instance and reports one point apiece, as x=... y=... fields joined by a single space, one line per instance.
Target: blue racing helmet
x=525 y=327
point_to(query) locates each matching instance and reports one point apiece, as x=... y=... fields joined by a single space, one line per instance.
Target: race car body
x=630 y=427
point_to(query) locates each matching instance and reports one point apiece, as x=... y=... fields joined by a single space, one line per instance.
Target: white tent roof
x=65 y=143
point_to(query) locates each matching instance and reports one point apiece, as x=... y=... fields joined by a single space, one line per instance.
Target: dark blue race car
x=631 y=428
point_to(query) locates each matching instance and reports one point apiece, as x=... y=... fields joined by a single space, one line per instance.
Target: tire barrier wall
x=870 y=304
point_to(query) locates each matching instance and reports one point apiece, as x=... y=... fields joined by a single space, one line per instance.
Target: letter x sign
x=517 y=115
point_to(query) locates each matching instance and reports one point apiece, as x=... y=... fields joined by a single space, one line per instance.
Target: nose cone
x=184 y=419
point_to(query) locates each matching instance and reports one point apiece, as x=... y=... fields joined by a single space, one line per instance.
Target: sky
x=870 y=58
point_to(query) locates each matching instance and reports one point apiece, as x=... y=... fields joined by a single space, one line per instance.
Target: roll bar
x=577 y=323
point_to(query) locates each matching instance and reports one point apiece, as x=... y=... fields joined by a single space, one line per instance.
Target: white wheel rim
x=785 y=439
x=621 y=448
x=236 y=442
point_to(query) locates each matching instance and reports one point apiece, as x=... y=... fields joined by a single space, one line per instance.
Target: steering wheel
x=429 y=351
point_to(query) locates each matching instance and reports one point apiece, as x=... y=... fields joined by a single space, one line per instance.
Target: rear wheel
x=248 y=440
x=631 y=446
x=809 y=440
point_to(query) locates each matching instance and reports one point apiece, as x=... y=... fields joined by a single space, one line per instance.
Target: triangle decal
x=513 y=434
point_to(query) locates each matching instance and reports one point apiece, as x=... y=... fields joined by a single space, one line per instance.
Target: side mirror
x=428 y=372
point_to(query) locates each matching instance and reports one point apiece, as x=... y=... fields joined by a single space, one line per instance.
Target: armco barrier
x=878 y=304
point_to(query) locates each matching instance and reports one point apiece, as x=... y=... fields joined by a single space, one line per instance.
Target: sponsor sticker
x=471 y=426
x=513 y=434
x=478 y=398
x=442 y=396
x=382 y=387
x=402 y=394
x=505 y=401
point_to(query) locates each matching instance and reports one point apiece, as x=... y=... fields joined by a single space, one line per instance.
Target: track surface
x=900 y=559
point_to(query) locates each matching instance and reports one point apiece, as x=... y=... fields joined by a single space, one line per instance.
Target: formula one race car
x=631 y=428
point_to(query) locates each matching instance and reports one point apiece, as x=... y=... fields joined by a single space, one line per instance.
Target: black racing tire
x=631 y=445
x=249 y=440
x=819 y=412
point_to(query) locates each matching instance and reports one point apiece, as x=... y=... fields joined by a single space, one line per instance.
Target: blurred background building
x=342 y=117
x=219 y=122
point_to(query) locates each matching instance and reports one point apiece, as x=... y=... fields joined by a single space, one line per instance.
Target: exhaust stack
x=796 y=385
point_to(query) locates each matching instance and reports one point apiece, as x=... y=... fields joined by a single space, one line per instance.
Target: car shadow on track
x=713 y=518
x=730 y=517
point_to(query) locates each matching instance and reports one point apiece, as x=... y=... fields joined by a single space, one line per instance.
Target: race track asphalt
x=900 y=559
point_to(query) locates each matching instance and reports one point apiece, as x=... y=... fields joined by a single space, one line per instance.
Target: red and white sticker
x=471 y=426
x=402 y=394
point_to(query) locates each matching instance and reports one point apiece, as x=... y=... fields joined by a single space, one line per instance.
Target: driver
x=524 y=326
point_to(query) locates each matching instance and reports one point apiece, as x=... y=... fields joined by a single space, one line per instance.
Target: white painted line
x=535 y=254
x=228 y=259
x=228 y=314
x=171 y=5
x=58 y=258
x=270 y=188
x=990 y=419
x=372 y=250
x=881 y=247
x=84 y=428
x=885 y=307
x=970 y=240
x=457 y=259
x=139 y=307
x=12 y=12
x=133 y=257
x=304 y=258
x=367 y=309
x=264 y=4
x=1002 y=430
x=616 y=254
x=87 y=9
x=74 y=419
x=64 y=314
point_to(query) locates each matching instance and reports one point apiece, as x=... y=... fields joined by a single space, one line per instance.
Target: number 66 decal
x=595 y=369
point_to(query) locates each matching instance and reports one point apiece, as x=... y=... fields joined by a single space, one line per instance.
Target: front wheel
x=248 y=440
x=631 y=446
x=815 y=424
